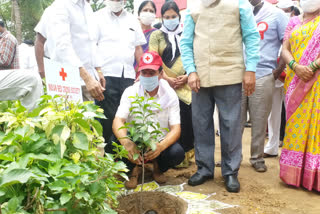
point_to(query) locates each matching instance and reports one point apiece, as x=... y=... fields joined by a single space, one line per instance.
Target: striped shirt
x=8 y=51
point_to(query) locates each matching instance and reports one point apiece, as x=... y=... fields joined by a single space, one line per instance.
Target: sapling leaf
x=153 y=146
x=135 y=156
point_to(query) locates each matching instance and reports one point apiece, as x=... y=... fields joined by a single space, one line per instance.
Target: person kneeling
x=168 y=152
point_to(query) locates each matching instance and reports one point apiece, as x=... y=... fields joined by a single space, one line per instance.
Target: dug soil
x=154 y=202
x=260 y=192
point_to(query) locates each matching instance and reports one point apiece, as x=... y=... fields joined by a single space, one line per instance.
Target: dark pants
x=169 y=158
x=228 y=100
x=115 y=87
x=186 y=139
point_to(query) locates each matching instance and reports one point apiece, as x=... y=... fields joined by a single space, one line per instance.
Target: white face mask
x=147 y=18
x=114 y=6
x=207 y=3
x=310 y=6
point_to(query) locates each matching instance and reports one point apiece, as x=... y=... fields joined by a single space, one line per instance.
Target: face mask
x=171 y=24
x=147 y=18
x=149 y=83
x=115 y=6
x=207 y=3
x=310 y=6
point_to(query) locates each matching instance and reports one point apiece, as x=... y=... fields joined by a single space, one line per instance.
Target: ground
x=260 y=192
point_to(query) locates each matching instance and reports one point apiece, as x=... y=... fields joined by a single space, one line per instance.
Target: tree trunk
x=17 y=20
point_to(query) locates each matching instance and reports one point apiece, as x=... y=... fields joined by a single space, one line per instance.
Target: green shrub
x=49 y=160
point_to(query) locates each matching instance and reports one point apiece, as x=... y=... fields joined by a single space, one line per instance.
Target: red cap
x=150 y=60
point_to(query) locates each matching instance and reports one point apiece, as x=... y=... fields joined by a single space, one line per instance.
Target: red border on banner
x=181 y=3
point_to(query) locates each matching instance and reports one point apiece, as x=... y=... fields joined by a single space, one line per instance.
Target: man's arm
x=125 y=142
x=187 y=56
x=138 y=54
x=39 y=51
x=186 y=44
x=251 y=39
x=282 y=22
x=279 y=69
x=7 y=51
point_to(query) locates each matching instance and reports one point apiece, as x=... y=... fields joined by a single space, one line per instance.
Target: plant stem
x=54 y=210
x=29 y=205
x=142 y=182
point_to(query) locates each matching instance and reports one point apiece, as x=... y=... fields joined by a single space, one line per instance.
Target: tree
x=17 y=20
x=97 y=5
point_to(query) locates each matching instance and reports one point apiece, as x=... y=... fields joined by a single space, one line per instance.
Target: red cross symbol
x=63 y=74
x=148 y=58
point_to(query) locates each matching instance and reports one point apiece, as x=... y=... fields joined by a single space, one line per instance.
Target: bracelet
x=315 y=62
x=313 y=67
x=99 y=71
x=291 y=63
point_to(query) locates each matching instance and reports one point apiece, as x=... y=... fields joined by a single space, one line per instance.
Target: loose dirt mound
x=159 y=202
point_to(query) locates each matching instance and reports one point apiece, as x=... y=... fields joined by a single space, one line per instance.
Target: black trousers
x=169 y=158
x=187 y=138
x=115 y=87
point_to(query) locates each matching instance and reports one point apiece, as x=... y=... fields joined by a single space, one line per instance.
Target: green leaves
x=60 y=134
x=49 y=159
x=15 y=176
x=144 y=129
x=80 y=141
x=65 y=198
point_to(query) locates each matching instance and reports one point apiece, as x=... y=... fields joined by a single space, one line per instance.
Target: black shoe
x=232 y=183
x=198 y=179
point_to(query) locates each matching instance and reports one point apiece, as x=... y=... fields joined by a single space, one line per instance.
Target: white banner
x=63 y=79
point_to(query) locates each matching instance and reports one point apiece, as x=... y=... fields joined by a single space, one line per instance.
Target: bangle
x=313 y=67
x=315 y=62
x=291 y=63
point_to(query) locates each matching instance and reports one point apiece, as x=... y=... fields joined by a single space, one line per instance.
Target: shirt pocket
x=131 y=37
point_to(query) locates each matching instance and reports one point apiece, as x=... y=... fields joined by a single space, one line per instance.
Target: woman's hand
x=304 y=72
x=171 y=81
x=181 y=81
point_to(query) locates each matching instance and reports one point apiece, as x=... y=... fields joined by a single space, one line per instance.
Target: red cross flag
x=62 y=79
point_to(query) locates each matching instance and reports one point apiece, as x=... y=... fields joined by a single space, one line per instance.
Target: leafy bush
x=49 y=159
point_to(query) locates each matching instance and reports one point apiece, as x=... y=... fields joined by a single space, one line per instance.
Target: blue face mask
x=149 y=83
x=171 y=24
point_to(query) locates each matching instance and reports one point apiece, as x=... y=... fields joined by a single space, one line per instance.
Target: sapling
x=143 y=129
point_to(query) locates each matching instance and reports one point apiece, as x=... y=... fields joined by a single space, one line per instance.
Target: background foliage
x=31 y=12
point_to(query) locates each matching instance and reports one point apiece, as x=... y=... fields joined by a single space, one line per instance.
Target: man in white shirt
x=168 y=152
x=44 y=45
x=119 y=43
x=73 y=31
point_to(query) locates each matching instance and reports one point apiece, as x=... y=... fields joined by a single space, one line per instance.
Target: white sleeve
x=174 y=113
x=61 y=35
x=140 y=38
x=125 y=104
